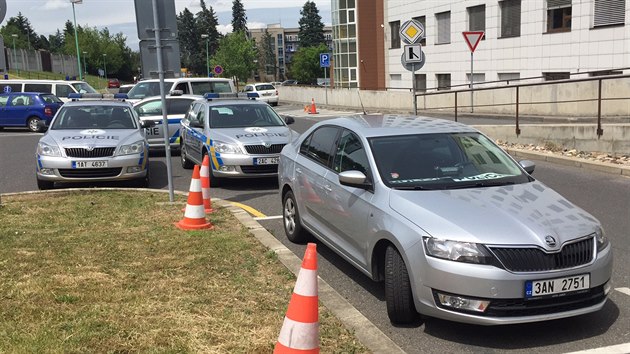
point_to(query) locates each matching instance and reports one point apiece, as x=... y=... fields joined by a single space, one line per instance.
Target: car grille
x=89 y=172
x=536 y=260
x=260 y=169
x=262 y=150
x=534 y=307
x=97 y=152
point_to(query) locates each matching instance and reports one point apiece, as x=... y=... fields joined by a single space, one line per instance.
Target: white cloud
x=55 y=5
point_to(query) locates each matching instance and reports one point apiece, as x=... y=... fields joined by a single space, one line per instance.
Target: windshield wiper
x=479 y=184
x=412 y=188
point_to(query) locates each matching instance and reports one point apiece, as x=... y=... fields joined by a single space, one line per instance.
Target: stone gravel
x=615 y=159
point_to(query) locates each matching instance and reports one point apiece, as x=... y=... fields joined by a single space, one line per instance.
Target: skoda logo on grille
x=551 y=242
x=89 y=147
x=267 y=145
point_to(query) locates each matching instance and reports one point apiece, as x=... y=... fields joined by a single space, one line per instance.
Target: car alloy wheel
x=33 y=124
x=291 y=220
x=186 y=164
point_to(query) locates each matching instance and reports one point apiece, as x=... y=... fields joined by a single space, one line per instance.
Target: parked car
x=125 y=88
x=59 y=88
x=113 y=83
x=453 y=225
x=289 y=82
x=265 y=92
x=242 y=137
x=27 y=109
x=188 y=86
x=93 y=141
x=176 y=108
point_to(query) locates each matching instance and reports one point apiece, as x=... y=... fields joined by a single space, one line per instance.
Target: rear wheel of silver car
x=291 y=220
x=398 y=295
x=186 y=164
x=32 y=124
x=44 y=185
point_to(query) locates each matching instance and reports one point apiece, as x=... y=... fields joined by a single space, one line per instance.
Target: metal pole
x=518 y=129
x=76 y=42
x=207 y=58
x=472 y=107
x=456 y=106
x=167 y=145
x=325 y=87
x=600 y=131
x=413 y=88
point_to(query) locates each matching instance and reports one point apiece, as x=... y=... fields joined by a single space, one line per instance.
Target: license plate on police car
x=89 y=164
x=266 y=161
x=534 y=288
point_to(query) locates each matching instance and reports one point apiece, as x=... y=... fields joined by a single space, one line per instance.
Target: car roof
x=170 y=97
x=191 y=79
x=97 y=102
x=230 y=101
x=371 y=125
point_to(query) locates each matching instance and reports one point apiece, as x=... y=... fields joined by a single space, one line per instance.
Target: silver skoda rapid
x=453 y=226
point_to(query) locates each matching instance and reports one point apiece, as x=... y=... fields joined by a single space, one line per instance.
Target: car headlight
x=224 y=148
x=48 y=150
x=130 y=149
x=602 y=240
x=467 y=252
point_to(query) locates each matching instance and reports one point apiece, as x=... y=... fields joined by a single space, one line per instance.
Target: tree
x=239 y=20
x=207 y=23
x=189 y=39
x=267 y=55
x=305 y=67
x=232 y=46
x=311 y=27
x=56 y=42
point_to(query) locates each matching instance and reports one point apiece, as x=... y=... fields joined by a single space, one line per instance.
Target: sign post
x=472 y=39
x=324 y=62
x=412 y=32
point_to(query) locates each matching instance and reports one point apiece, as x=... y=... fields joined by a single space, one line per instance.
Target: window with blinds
x=421 y=82
x=609 y=12
x=444 y=81
x=394 y=28
x=443 y=20
x=423 y=22
x=510 y=18
x=558 y=15
x=477 y=18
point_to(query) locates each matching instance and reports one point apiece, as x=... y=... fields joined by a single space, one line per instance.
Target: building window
x=477 y=77
x=443 y=20
x=596 y=73
x=609 y=12
x=395 y=77
x=477 y=18
x=510 y=18
x=557 y=76
x=423 y=22
x=507 y=77
x=558 y=16
x=394 y=28
x=444 y=81
x=421 y=82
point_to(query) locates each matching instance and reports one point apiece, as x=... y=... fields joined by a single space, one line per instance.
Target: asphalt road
x=605 y=196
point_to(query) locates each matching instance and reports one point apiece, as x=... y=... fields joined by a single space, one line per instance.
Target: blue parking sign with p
x=324 y=60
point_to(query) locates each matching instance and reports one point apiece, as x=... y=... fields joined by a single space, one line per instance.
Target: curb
x=571 y=161
x=365 y=331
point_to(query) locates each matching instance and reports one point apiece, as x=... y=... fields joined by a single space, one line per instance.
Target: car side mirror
x=354 y=178
x=196 y=124
x=528 y=166
x=147 y=123
x=288 y=119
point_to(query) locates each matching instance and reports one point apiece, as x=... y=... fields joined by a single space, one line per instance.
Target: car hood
x=92 y=137
x=253 y=135
x=522 y=214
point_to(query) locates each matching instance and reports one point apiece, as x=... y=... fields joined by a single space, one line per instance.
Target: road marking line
x=274 y=217
x=623 y=290
x=613 y=349
x=249 y=209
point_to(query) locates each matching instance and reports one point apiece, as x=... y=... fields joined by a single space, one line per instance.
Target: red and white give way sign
x=472 y=39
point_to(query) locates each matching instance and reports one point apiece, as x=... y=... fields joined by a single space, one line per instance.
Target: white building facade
x=551 y=39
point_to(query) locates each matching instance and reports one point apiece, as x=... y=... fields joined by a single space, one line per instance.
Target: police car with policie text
x=93 y=141
x=242 y=137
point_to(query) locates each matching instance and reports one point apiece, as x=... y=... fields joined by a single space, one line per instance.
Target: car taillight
x=48 y=111
x=276 y=92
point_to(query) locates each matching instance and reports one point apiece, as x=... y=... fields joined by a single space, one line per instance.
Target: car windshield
x=148 y=89
x=83 y=87
x=51 y=99
x=443 y=161
x=243 y=116
x=94 y=117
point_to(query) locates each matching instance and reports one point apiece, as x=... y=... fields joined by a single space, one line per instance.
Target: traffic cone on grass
x=194 y=214
x=313 y=108
x=205 y=184
x=300 y=330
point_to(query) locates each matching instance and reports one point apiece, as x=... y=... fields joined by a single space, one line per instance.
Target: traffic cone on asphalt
x=313 y=108
x=300 y=330
x=205 y=184
x=194 y=214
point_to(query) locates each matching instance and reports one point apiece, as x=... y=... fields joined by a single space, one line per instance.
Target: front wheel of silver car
x=291 y=220
x=398 y=294
x=186 y=164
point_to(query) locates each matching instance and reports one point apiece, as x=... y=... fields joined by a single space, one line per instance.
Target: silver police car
x=454 y=226
x=93 y=141
x=242 y=137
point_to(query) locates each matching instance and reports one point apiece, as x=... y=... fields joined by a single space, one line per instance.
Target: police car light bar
x=120 y=96
x=210 y=95
x=74 y=96
x=176 y=92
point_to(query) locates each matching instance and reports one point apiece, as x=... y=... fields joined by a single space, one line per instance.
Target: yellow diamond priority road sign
x=411 y=31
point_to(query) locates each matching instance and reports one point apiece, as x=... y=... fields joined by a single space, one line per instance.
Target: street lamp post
x=76 y=38
x=105 y=68
x=84 y=64
x=207 y=38
x=17 y=66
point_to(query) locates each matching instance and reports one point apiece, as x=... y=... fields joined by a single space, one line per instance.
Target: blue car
x=27 y=109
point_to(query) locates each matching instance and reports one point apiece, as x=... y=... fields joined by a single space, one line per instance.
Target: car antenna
x=361 y=101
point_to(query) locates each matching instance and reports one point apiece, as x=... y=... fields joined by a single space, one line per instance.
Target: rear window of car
x=264 y=87
x=51 y=99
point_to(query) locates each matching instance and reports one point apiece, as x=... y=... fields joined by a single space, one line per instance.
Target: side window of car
x=3 y=100
x=152 y=108
x=178 y=106
x=45 y=88
x=183 y=86
x=321 y=144
x=249 y=88
x=20 y=100
x=191 y=115
x=201 y=115
x=63 y=90
x=350 y=154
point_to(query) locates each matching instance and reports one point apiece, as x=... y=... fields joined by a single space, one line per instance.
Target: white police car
x=242 y=137
x=93 y=141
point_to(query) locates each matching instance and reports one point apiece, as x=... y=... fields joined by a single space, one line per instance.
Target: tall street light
x=76 y=38
x=84 y=64
x=17 y=66
x=207 y=38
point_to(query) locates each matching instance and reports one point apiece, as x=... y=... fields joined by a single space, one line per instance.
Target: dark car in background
x=27 y=109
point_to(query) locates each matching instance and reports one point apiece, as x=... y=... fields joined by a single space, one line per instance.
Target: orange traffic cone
x=300 y=330
x=194 y=214
x=313 y=108
x=205 y=184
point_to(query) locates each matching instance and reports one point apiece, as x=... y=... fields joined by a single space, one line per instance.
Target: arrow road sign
x=472 y=39
x=414 y=66
x=413 y=53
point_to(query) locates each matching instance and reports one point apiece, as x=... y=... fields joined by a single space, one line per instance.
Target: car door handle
x=298 y=170
x=327 y=188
